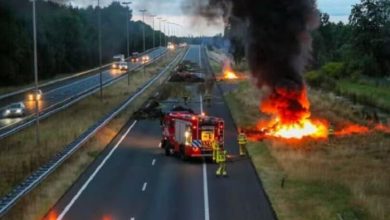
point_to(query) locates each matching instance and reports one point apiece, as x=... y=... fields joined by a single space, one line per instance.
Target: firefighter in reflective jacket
x=215 y=146
x=221 y=161
x=242 y=140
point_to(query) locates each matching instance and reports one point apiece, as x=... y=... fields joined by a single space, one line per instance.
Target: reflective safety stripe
x=196 y=143
x=242 y=139
x=221 y=156
x=215 y=145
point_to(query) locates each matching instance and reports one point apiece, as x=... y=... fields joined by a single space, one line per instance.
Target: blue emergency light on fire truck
x=189 y=135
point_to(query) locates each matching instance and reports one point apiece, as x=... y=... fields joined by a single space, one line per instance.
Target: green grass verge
x=378 y=96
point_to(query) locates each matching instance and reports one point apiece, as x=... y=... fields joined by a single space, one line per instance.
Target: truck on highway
x=117 y=60
x=190 y=135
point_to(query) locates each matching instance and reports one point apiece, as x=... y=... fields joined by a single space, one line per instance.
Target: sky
x=170 y=10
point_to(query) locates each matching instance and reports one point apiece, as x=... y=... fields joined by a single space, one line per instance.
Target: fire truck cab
x=190 y=135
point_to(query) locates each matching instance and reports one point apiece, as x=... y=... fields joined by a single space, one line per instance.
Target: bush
x=320 y=80
x=334 y=70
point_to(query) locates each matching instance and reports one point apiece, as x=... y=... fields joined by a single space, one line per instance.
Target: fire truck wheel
x=183 y=155
x=167 y=148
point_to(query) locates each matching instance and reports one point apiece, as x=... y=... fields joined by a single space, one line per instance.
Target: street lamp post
x=153 y=16
x=100 y=51
x=35 y=72
x=127 y=34
x=143 y=33
x=165 y=32
x=159 y=19
x=143 y=27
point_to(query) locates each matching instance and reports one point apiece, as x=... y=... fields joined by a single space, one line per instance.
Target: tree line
x=358 y=48
x=67 y=38
x=362 y=46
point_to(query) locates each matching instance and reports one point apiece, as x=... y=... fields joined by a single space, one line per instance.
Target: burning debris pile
x=291 y=115
x=187 y=71
x=228 y=73
x=278 y=42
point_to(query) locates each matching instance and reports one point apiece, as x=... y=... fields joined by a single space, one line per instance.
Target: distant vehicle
x=134 y=57
x=171 y=46
x=123 y=66
x=190 y=135
x=117 y=59
x=15 y=110
x=35 y=95
x=145 y=58
x=183 y=45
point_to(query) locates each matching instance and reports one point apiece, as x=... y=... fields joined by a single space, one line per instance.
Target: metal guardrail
x=64 y=78
x=65 y=103
x=43 y=172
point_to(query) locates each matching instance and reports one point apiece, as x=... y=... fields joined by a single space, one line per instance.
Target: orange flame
x=228 y=72
x=52 y=215
x=291 y=115
x=352 y=129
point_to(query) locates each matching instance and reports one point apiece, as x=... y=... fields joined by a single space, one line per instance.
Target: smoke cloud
x=277 y=40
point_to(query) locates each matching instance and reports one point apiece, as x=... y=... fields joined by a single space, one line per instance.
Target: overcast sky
x=171 y=10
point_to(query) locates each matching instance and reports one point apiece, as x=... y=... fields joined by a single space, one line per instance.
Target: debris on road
x=151 y=110
x=187 y=71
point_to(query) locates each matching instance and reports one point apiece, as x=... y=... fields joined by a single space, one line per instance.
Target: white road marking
x=185 y=55
x=205 y=193
x=159 y=144
x=132 y=218
x=153 y=162
x=85 y=185
x=144 y=186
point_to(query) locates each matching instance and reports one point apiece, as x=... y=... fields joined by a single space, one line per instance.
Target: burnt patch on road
x=187 y=71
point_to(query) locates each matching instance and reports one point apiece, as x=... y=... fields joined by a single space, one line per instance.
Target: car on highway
x=35 y=95
x=145 y=59
x=123 y=66
x=134 y=57
x=14 y=110
x=171 y=46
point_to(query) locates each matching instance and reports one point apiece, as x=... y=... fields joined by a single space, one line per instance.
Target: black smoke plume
x=277 y=40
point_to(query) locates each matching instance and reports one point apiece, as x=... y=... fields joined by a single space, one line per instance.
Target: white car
x=122 y=66
x=14 y=110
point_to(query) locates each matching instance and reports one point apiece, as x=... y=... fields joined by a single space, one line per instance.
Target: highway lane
x=53 y=95
x=133 y=179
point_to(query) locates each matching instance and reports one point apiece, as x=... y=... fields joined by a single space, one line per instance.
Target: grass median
x=20 y=156
x=340 y=178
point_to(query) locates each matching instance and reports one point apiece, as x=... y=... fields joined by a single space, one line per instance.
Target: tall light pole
x=159 y=19
x=35 y=72
x=143 y=33
x=143 y=28
x=127 y=34
x=127 y=26
x=153 y=16
x=165 y=32
x=100 y=50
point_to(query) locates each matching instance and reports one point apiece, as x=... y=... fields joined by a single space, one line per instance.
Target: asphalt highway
x=133 y=179
x=54 y=95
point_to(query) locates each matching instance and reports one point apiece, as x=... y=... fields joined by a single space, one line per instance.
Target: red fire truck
x=190 y=135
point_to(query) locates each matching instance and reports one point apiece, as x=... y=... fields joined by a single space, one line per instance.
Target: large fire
x=291 y=119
